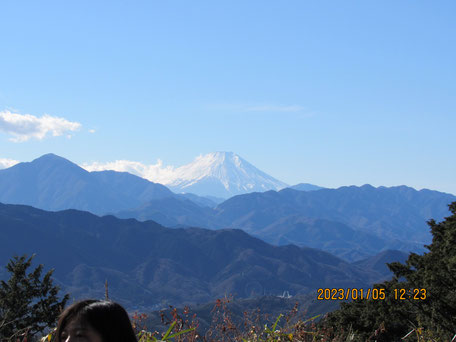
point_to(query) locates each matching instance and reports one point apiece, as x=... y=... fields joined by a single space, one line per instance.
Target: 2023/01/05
x=374 y=294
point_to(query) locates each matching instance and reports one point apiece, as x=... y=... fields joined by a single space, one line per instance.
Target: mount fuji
x=221 y=174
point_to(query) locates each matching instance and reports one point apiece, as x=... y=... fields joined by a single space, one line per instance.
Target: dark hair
x=109 y=319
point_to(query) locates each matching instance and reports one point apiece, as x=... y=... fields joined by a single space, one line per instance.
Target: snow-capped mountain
x=221 y=174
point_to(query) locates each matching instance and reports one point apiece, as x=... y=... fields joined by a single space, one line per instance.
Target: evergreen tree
x=436 y=272
x=393 y=318
x=28 y=302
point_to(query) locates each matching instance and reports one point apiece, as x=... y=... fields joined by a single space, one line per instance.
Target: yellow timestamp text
x=374 y=294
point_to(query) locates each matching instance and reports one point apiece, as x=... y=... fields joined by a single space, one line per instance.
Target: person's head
x=95 y=321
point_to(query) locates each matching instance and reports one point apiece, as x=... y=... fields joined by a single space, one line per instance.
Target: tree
x=436 y=272
x=28 y=302
x=393 y=318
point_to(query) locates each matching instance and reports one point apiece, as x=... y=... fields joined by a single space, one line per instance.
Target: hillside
x=147 y=264
x=332 y=236
x=350 y=222
x=389 y=213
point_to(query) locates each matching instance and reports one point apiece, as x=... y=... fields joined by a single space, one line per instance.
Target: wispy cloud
x=24 y=127
x=154 y=172
x=262 y=108
x=6 y=163
x=269 y=108
x=92 y=131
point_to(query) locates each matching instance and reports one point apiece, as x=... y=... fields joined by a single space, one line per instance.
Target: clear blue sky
x=326 y=92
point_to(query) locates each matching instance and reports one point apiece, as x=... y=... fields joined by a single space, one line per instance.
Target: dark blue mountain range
x=147 y=264
x=350 y=222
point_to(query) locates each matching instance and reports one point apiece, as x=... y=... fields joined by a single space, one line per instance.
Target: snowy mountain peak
x=222 y=174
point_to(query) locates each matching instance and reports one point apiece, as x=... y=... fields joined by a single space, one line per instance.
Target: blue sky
x=329 y=93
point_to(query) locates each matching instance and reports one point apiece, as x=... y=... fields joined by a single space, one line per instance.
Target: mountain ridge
x=350 y=222
x=146 y=263
x=52 y=182
x=402 y=210
x=364 y=220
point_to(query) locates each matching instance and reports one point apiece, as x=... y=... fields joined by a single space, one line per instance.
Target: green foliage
x=29 y=303
x=436 y=272
x=145 y=336
x=287 y=327
x=394 y=318
x=291 y=332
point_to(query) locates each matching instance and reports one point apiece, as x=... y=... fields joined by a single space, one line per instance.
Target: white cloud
x=24 y=127
x=154 y=172
x=92 y=131
x=6 y=163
